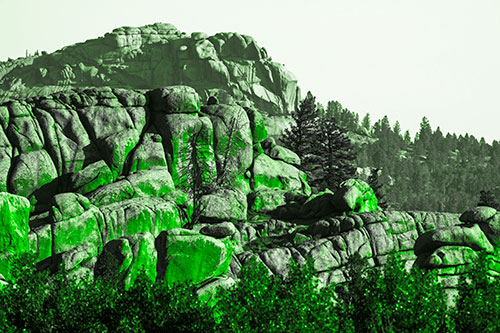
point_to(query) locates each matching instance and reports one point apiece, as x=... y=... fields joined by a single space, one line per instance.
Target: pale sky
x=402 y=58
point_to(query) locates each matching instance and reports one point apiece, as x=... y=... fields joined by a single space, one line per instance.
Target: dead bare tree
x=201 y=180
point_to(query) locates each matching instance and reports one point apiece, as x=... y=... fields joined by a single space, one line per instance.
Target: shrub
x=478 y=301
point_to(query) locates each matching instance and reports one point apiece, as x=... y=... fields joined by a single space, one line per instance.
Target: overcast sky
x=402 y=58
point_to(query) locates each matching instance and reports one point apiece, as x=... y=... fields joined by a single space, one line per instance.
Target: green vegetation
x=326 y=153
x=432 y=172
x=371 y=300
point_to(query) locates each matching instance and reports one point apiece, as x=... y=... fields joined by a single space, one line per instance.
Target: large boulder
x=355 y=195
x=139 y=215
x=470 y=236
x=90 y=178
x=274 y=174
x=184 y=255
x=259 y=132
x=124 y=258
x=148 y=153
x=155 y=182
x=478 y=214
x=224 y=205
x=318 y=205
x=68 y=205
x=175 y=99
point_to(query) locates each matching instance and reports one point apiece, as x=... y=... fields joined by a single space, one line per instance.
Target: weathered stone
x=101 y=121
x=24 y=132
x=356 y=196
x=91 y=177
x=115 y=259
x=148 y=153
x=454 y=235
x=259 y=132
x=116 y=148
x=265 y=201
x=68 y=205
x=76 y=231
x=450 y=256
x=382 y=241
x=177 y=130
x=224 y=205
x=284 y=154
x=155 y=182
x=232 y=139
x=30 y=172
x=175 y=99
x=139 y=215
x=272 y=174
x=144 y=257
x=219 y=230
x=184 y=255
x=208 y=292
x=492 y=228
x=129 y=97
x=318 y=205
x=478 y=214
x=43 y=242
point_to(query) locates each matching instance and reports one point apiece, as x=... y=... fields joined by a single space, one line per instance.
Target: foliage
x=201 y=179
x=325 y=151
x=388 y=299
x=377 y=188
x=300 y=137
x=478 y=302
x=433 y=172
x=335 y=156
x=486 y=198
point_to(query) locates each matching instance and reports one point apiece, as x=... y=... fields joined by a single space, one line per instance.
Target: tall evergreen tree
x=335 y=156
x=486 y=198
x=301 y=136
x=366 y=121
x=397 y=128
x=373 y=181
x=407 y=138
x=325 y=151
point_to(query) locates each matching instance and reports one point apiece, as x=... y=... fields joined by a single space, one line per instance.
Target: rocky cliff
x=96 y=170
x=160 y=55
x=93 y=182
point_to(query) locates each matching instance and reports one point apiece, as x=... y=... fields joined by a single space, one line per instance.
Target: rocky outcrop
x=100 y=183
x=94 y=166
x=157 y=55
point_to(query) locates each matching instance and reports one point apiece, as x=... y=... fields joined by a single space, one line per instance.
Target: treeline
x=432 y=172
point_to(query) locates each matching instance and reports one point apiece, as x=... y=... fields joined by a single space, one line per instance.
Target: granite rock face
x=98 y=183
x=95 y=166
x=159 y=55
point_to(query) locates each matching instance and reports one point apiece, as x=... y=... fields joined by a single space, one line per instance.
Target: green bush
x=478 y=302
x=371 y=300
x=392 y=300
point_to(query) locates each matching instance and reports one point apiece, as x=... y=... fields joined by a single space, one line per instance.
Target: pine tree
x=377 y=188
x=366 y=121
x=325 y=151
x=335 y=157
x=407 y=138
x=397 y=128
x=486 y=198
x=300 y=138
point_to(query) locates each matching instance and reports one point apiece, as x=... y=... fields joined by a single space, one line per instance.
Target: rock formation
x=99 y=180
x=226 y=65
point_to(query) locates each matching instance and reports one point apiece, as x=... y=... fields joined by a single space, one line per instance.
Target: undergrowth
x=371 y=300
